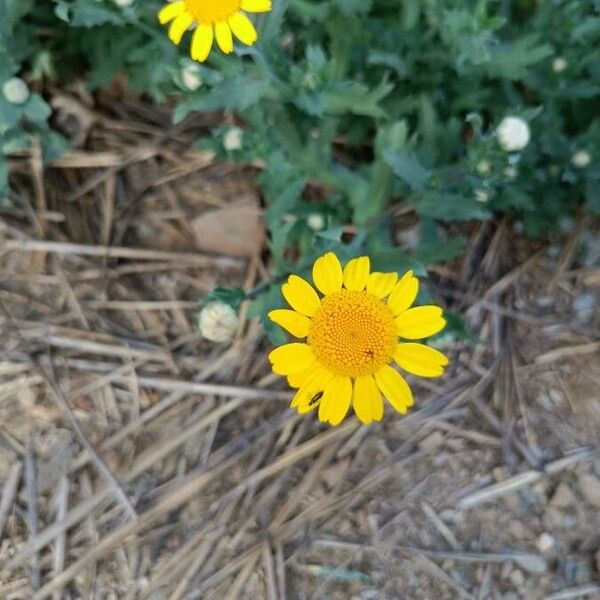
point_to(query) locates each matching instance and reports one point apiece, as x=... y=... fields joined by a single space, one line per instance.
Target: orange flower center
x=353 y=333
x=210 y=12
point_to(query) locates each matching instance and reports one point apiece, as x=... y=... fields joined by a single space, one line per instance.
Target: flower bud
x=484 y=167
x=482 y=195
x=581 y=159
x=190 y=76
x=513 y=134
x=559 y=64
x=232 y=140
x=315 y=221
x=218 y=321
x=15 y=91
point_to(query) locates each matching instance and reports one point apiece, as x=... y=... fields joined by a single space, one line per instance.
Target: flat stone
x=589 y=485
x=563 y=497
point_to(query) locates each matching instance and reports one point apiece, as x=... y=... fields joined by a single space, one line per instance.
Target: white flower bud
x=513 y=134
x=15 y=91
x=559 y=64
x=581 y=159
x=190 y=76
x=315 y=221
x=124 y=3
x=510 y=172
x=232 y=140
x=218 y=321
x=484 y=167
x=482 y=195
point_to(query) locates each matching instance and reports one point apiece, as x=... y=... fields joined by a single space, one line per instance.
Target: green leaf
x=450 y=207
x=441 y=251
x=456 y=326
x=3 y=177
x=334 y=234
x=346 y=97
x=10 y=115
x=36 y=109
x=54 y=145
x=91 y=14
x=239 y=93
x=396 y=260
x=407 y=167
x=592 y=193
x=266 y=302
x=233 y=296
x=61 y=10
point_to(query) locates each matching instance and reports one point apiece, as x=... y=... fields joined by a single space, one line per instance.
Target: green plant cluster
x=353 y=106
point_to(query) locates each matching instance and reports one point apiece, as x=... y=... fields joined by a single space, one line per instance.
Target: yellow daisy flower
x=352 y=333
x=212 y=18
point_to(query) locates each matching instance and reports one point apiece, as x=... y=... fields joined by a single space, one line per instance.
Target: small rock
x=517 y=578
x=499 y=473
x=545 y=542
x=532 y=563
x=456 y=444
x=584 y=304
x=432 y=441
x=517 y=531
x=589 y=485
x=563 y=497
x=332 y=474
x=545 y=301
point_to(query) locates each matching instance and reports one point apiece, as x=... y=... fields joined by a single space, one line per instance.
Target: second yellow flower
x=213 y=19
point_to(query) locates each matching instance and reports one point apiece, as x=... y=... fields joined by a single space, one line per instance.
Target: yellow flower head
x=212 y=18
x=353 y=332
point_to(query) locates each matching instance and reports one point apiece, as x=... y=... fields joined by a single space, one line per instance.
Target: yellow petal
x=179 y=26
x=224 y=37
x=356 y=273
x=381 y=284
x=327 y=274
x=291 y=358
x=311 y=393
x=366 y=399
x=315 y=372
x=170 y=11
x=301 y=296
x=242 y=28
x=420 y=360
x=291 y=321
x=336 y=400
x=404 y=293
x=256 y=6
x=394 y=388
x=202 y=42
x=303 y=402
x=420 y=322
